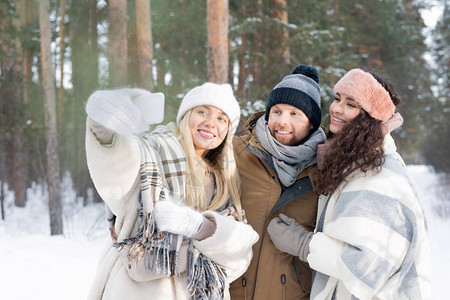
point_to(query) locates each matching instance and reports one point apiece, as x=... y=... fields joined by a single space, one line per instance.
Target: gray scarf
x=289 y=161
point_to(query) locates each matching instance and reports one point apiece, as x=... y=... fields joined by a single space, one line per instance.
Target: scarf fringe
x=156 y=248
x=206 y=279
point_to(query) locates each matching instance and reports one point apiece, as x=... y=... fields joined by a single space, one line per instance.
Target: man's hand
x=289 y=237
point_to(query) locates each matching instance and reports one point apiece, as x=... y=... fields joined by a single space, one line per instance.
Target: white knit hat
x=218 y=95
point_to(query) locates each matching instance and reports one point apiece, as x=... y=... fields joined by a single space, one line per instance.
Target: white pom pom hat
x=218 y=95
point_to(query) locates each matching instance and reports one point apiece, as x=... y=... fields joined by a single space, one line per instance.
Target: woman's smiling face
x=209 y=127
x=343 y=109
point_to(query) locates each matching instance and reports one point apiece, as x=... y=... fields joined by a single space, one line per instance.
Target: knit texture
x=218 y=95
x=114 y=110
x=300 y=89
x=368 y=93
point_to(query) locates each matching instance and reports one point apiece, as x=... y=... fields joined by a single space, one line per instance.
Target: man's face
x=288 y=124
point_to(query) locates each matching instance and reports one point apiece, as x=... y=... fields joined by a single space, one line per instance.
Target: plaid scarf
x=161 y=151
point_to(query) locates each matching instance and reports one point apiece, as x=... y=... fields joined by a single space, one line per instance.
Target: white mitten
x=177 y=219
x=115 y=110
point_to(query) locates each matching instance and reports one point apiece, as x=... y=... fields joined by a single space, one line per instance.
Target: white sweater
x=371 y=240
x=114 y=169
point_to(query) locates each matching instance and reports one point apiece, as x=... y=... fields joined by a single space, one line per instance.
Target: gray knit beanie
x=300 y=89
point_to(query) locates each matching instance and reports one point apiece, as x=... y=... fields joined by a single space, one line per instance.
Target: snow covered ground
x=35 y=265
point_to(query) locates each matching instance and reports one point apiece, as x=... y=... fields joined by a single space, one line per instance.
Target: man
x=276 y=159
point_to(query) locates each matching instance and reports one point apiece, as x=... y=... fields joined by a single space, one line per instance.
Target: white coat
x=114 y=169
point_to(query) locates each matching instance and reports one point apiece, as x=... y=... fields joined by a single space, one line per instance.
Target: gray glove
x=289 y=237
x=115 y=110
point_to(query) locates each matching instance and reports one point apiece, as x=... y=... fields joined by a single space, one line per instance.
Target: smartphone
x=152 y=107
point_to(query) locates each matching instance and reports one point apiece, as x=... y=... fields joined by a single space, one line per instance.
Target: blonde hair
x=220 y=161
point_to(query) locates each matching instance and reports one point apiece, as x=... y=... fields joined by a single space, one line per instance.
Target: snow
x=435 y=199
x=35 y=265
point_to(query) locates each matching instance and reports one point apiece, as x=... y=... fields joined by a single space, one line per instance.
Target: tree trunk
x=16 y=92
x=242 y=75
x=132 y=46
x=53 y=177
x=282 y=35
x=144 y=43
x=19 y=171
x=217 y=20
x=256 y=69
x=117 y=42
x=93 y=51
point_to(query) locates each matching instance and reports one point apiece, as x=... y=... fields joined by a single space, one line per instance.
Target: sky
x=35 y=265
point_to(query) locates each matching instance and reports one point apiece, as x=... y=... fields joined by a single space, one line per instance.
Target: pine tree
x=117 y=42
x=436 y=148
x=217 y=19
x=53 y=170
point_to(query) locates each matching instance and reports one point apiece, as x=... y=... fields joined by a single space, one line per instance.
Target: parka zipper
x=283 y=286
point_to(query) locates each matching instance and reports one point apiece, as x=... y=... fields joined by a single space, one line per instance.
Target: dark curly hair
x=359 y=145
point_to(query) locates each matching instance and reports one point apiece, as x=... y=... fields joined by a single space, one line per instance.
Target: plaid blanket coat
x=371 y=240
x=118 y=172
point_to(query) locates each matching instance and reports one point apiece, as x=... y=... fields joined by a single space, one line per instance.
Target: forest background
x=55 y=53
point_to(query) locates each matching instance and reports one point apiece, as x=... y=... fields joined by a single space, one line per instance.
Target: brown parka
x=272 y=274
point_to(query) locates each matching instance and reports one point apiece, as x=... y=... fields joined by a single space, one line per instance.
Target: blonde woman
x=179 y=230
